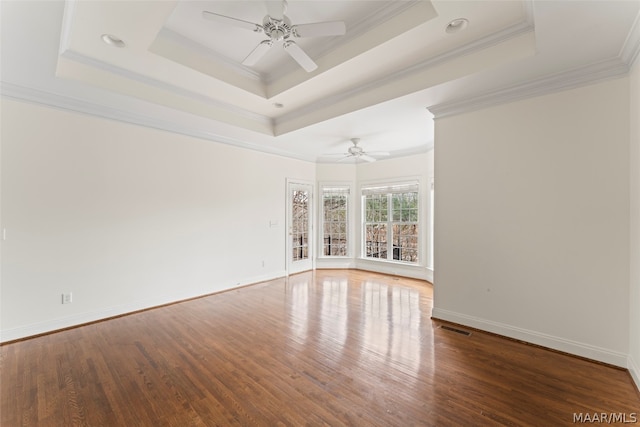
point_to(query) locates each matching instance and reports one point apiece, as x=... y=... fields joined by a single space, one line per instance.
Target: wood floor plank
x=330 y=347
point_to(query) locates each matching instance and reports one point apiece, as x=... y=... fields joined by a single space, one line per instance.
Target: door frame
x=292 y=267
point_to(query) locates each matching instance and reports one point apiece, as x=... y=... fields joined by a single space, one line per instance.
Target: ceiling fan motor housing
x=277 y=29
x=355 y=150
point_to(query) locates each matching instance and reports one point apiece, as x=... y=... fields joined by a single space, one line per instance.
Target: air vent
x=456 y=330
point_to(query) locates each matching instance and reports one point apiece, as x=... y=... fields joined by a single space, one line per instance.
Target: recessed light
x=112 y=40
x=457 y=25
x=278 y=105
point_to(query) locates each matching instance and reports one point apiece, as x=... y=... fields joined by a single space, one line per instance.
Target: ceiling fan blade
x=379 y=153
x=257 y=53
x=346 y=158
x=334 y=154
x=367 y=158
x=319 y=29
x=275 y=9
x=300 y=56
x=231 y=21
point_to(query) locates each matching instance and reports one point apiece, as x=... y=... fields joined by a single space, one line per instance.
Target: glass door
x=299 y=227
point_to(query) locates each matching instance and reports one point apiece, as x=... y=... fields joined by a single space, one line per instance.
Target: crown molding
x=593 y=73
x=528 y=11
x=67 y=103
x=470 y=48
x=203 y=50
x=631 y=48
x=597 y=72
x=66 y=37
x=109 y=68
x=67 y=23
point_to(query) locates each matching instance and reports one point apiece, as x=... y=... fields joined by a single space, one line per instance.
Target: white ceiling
x=182 y=73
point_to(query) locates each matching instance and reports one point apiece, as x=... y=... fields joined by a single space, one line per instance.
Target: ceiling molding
x=21 y=93
x=109 y=68
x=67 y=23
x=600 y=71
x=192 y=45
x=528 y=11
x=631 y=48
x=470 y=48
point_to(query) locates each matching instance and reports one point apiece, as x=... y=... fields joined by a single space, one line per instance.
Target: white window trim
x=350 y=223
x=422 y=219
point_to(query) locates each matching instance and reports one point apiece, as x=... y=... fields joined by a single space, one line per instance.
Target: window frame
x=386 y=191
x=337 y=187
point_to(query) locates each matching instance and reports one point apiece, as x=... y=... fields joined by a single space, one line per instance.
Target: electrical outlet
x=67 y=298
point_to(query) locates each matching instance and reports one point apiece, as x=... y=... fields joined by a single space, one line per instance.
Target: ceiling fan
x=278 y=28
x=357 y=153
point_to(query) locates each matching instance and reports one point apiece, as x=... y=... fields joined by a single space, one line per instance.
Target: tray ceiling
x=171 y=51
x=183 y=73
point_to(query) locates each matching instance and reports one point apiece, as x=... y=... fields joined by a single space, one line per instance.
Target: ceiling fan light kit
x=277 y=26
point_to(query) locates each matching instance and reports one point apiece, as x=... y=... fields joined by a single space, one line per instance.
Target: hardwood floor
x=330 y=347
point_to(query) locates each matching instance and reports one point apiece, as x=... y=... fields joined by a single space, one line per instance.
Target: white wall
x=127 y=217
x=634 y=298
x=532 y=220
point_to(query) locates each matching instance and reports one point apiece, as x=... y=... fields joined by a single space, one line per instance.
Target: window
x=335 y=202
x=300 y=225
x=391 y=222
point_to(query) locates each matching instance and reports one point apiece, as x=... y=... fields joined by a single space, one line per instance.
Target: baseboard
x=331 y=263
x=553 y=342
x=429 y=275
x=634 y=370
x=262 y=278
x=395 y=269
x=49 y=326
